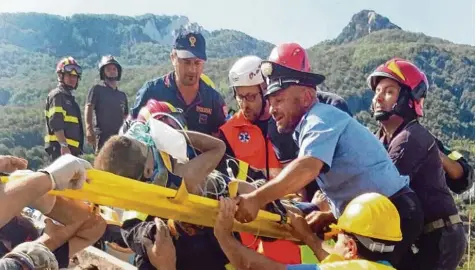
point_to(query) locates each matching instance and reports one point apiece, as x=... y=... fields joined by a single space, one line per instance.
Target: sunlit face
x=250 y=101
x=188 y=70
x=345 y=247
x=70 y=79
x=386 y=95
x=287 y=107
x=111 y=71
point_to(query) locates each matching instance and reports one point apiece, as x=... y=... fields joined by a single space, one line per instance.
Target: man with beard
x=64 y=126
x=342 y=155
x=202 y=106
x=108 y=103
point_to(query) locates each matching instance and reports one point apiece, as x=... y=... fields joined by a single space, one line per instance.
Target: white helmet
x=246 y=72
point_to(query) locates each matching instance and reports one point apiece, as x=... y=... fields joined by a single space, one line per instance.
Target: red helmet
x=290 y=55
x=158 y=110
x=408 y=76
x=69 y=65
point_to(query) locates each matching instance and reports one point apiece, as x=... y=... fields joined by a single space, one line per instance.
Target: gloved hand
x=68 y=172
x=35 y=255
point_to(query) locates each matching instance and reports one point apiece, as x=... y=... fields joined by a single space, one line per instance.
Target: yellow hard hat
x=371 y=215
x=207 y=80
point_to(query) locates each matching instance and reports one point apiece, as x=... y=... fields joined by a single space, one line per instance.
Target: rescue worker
x=367 y=232
x=246 y=133
x=342 y=155
x=202 y=106
x=400 y=90
x=64 y=126
x=293 y=55
x=246 y=137
x=66 y=172
x=107 y=103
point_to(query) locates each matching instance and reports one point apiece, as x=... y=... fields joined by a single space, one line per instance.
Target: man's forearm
x=291 y=179
x=17 y=194
x=60 y=136
x=315 y=243
x=195 y=171
x=44 y=204
x=242 y=257
x=452 y=168
x=88 y=116
x=202 y=142
x=69 y=211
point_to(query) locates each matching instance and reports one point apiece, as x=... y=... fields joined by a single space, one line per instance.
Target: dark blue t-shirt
x=205 y=114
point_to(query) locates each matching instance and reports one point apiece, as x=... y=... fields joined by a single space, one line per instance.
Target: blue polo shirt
x=355 y=162
x=205 y=114
x=283 y=143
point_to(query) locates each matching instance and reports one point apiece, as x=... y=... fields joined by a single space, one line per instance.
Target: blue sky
x=305 y=21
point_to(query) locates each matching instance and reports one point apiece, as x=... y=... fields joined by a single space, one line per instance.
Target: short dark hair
x=121 y=156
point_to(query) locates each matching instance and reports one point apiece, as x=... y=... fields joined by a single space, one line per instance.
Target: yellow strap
x=53 y=138
x=242 y=170
x=67 y=118
x=455 y=155
x=167 y=161
x=127 y=215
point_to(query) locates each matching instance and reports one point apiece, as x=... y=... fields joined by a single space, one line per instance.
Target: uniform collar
x=64 y=90
x=108 y=86
x=382 y=136
x=171 y=83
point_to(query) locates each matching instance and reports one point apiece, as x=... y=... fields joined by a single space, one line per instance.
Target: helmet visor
x=73 y=69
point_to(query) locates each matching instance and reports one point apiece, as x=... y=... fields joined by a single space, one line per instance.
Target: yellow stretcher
x=116 y=191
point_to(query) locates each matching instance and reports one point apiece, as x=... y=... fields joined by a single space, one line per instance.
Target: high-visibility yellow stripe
x=53 y=138
x=67 y=118
x=71 y=119
x=455 y=155
x=242 y=170
x=230 y=267
x=54 y=110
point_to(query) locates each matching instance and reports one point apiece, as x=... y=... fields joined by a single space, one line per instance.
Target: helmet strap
x=401 y=107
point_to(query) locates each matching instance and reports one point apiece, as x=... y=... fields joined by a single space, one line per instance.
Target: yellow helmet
x=207 y=80
x=371 y=215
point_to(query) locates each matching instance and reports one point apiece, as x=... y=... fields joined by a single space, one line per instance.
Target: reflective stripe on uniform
x=53 y=138
x=230 y=267
x=455 y=155
x=440 y=223
x=67 y=118
x=242 y=170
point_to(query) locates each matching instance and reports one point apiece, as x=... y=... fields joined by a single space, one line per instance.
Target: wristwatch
x=63 y=144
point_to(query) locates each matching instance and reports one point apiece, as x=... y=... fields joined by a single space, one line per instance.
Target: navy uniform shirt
x=205 y=114
x=414 y=152
x=110 y=106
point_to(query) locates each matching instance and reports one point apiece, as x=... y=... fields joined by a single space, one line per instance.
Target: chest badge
x=244 y=137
